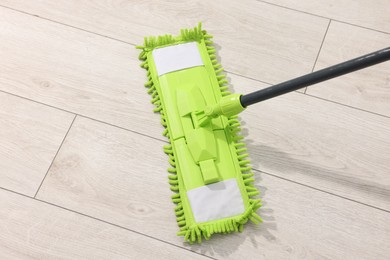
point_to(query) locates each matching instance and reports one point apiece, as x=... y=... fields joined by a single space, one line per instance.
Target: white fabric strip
x=216 y=201
x=177 y=57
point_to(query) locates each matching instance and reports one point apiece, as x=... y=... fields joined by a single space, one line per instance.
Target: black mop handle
x=316 y=77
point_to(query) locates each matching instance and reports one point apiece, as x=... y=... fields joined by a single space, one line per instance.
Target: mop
x=211 y=177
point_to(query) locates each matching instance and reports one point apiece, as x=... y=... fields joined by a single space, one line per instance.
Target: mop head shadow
x=211 y=176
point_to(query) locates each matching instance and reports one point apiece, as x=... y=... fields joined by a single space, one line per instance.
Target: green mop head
x=210 y=176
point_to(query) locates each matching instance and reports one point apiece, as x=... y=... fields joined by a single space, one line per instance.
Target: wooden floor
x=82 y=171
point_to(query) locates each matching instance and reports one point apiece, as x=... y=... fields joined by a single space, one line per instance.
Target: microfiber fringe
x=186 y=35
x=195 y=232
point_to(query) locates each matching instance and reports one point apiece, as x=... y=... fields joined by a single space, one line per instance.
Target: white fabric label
x=216 y=201
x=177 y=57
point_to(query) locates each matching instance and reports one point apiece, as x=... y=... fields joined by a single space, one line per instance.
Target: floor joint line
x=55 y=156
x=320 y=190
x=104 y=221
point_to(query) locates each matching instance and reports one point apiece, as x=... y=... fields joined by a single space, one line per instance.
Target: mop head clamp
x=227 y=106
x=210 y=176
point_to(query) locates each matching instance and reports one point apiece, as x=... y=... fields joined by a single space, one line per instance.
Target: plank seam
x=55 y=156
x=319 y=51
x=320 y=16
x=104 y=221
x=324 y=191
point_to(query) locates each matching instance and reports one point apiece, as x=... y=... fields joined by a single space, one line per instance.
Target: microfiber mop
x=211 y=175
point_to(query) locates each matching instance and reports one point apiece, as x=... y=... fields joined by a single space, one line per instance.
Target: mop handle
x=316 y=77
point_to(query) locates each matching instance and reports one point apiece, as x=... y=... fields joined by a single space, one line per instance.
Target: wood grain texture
x=254 y=39
x=30 y=136
x=32 y=229
x=116 y=175
x=73 y=70
x=374 y=15
x=334 y=148
x=120 y=176
x=368 y=89
x=107 y=85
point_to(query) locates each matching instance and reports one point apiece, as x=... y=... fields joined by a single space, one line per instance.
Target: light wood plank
x=30 y=136
x=120 y=176
x=254 y=39
x=34 y=230
x=80 y=72
x=368 y=89
x=113 y=94
x=374 y=15
x=335 y=148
